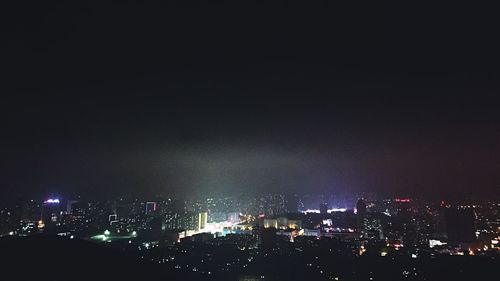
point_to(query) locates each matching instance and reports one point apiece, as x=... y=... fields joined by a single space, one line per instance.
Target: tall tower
x=323 y=208
x=361 y=207
x=361 y=214
x=460 y=225
x=50 y=214
x=202 y=220
x=150 y=207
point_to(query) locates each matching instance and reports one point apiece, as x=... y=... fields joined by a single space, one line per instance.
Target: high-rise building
x=268 y=238
x=372 y=227
x=8 y=220
x=190 y=221
x=202 y=220
x=50 y=214
x=323 y=208
x=401 y=207
x=233 y=217
x=460 y=225
x=269 y=205
x=29 y=210
x=150 y=207
x=173 y=221
x=361 y=207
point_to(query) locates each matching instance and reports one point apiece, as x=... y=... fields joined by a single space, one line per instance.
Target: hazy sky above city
x=155 y=100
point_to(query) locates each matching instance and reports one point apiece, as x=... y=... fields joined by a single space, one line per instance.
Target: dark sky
x=107 y=99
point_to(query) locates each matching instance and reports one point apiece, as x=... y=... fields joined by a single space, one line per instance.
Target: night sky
x=106 y=99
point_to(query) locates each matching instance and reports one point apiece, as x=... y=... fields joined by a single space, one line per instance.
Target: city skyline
x=193 y=238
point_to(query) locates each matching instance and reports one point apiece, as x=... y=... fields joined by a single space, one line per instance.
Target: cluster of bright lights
x=52 y=201
x=337 y=210
x=340 y=230
x=108 y=236
x=316 y=211
x=434 y=243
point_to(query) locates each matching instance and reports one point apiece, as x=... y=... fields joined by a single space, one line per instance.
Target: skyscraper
x=460 y=225
x=50 y=214
x=202 y=220
x=323 y=208
x=150 y=207
x=361 y=207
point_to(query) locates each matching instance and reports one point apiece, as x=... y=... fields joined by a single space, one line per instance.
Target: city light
x=41 y=224
x=316 y=211
x=221 y=225
x=52 y=201
x=433 y=243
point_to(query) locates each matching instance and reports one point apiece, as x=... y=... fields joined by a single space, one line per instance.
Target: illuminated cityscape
x=249 y=141
x=190 y=236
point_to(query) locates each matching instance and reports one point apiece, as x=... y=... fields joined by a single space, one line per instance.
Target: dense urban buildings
x=163 y=231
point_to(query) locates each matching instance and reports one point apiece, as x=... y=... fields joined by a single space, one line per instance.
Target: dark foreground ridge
x=55 y=258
